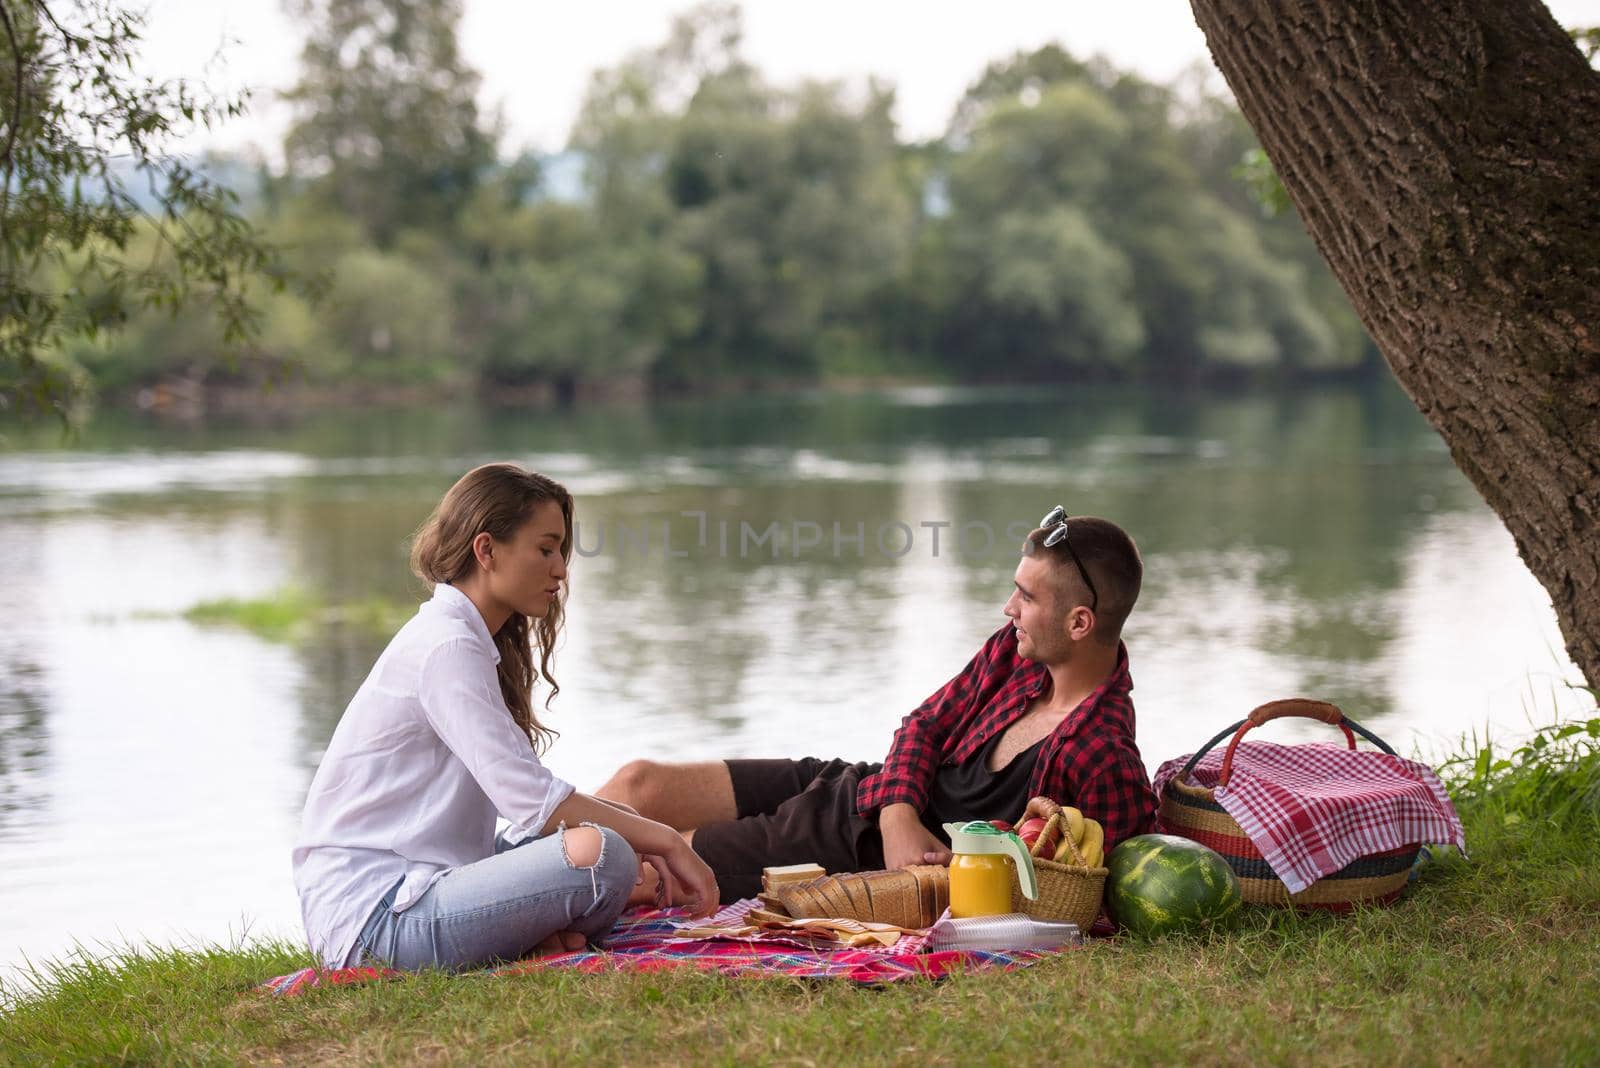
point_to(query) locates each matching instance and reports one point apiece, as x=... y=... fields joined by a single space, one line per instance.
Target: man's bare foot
x=560 y=942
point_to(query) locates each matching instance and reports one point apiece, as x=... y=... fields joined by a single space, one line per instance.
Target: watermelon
x=1160 y=883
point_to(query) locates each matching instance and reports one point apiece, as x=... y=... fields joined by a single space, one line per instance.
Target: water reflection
x=24 y=726
x=24 y=752
x=1317 y=543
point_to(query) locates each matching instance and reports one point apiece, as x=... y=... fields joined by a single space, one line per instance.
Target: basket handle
x=1303 y=707
x=1299 y=707
x=1059 y=822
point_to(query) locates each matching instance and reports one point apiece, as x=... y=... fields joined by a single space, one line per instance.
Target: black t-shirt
x=804 y=811
x=970 y=791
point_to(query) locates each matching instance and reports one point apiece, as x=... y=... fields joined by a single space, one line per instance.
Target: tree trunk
x=1445 y=157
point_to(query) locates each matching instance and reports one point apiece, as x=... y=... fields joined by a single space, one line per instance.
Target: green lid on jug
x=980 y=836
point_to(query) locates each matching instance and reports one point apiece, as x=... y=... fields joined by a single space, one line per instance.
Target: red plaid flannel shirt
x=1089 y=760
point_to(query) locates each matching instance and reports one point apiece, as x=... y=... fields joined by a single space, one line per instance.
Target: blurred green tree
x=555 y=299
x=386 y=125
x=789 y=201
x=1082 y=234
x=77 y=128
x=389 y=316
x=1036 y=285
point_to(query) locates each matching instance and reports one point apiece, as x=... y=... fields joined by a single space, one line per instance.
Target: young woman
x=398 y=861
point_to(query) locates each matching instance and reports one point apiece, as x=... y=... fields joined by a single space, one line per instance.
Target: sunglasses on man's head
x=1056 y=523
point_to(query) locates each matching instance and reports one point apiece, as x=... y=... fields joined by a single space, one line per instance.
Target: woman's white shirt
x=424 y=757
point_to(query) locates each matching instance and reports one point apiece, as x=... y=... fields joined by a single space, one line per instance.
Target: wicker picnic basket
x=1193 y=812
x=1068 y=893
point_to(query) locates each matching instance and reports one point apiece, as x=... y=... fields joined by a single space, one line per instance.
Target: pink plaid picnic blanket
x=646 y=941
x=1313 y=808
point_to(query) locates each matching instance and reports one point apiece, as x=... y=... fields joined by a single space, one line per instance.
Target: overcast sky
x=535 y=56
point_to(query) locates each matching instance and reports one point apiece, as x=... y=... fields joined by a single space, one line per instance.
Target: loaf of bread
x=911 y=897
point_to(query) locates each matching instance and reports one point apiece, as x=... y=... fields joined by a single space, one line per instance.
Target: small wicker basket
x=1069 y=893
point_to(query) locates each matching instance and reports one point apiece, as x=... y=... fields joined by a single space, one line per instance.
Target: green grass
x=1553 y=777
x=1489 y=960
x=292 y=614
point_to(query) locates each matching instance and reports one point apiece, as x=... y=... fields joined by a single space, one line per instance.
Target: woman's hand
x=685 y=880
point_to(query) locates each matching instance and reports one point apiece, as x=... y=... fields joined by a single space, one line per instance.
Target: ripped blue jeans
x=501 y=907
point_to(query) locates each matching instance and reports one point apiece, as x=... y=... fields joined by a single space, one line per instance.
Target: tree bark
x=1445 y=157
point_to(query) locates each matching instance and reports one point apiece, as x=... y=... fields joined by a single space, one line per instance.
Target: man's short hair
x=1113 y=563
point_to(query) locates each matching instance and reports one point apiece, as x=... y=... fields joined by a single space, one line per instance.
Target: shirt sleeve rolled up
x=460 y=695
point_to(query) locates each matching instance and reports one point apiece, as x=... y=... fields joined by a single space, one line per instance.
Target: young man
x=1043 y=708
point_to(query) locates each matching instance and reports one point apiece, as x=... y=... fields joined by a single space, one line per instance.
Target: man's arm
x=906 y=840
x=899 y=792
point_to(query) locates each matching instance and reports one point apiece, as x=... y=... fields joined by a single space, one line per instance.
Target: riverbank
x=1487 y=960
x=288 y=393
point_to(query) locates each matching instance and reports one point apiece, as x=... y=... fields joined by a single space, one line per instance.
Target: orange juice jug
x=987 y=861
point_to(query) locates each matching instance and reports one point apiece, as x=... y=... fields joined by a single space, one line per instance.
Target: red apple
x=1029 y=831
x=1000 y=825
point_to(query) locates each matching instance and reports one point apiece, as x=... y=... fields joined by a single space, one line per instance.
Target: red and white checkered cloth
x=1311 y=809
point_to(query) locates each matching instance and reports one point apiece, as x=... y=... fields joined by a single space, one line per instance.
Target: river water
x=757 y=577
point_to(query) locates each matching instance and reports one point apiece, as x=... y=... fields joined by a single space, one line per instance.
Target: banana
x=1093 y=848
x=1074 y=820
x=1067 y=852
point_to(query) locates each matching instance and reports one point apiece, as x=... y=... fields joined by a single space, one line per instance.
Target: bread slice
x=811 y=897
x=799 y=899
x=900 y=890
x=839 y=904
x=828 y=905
x=841 y=887
x=925 y=896
x=855 y=888
x=789 y=873
x=922 y=889
x=913 y=917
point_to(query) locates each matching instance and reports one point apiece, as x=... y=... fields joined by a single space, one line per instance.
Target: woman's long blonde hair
x=498 y=499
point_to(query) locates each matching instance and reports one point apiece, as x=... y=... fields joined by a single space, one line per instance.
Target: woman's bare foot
x=649 y=893
x=646 y=891
x=560 y=942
